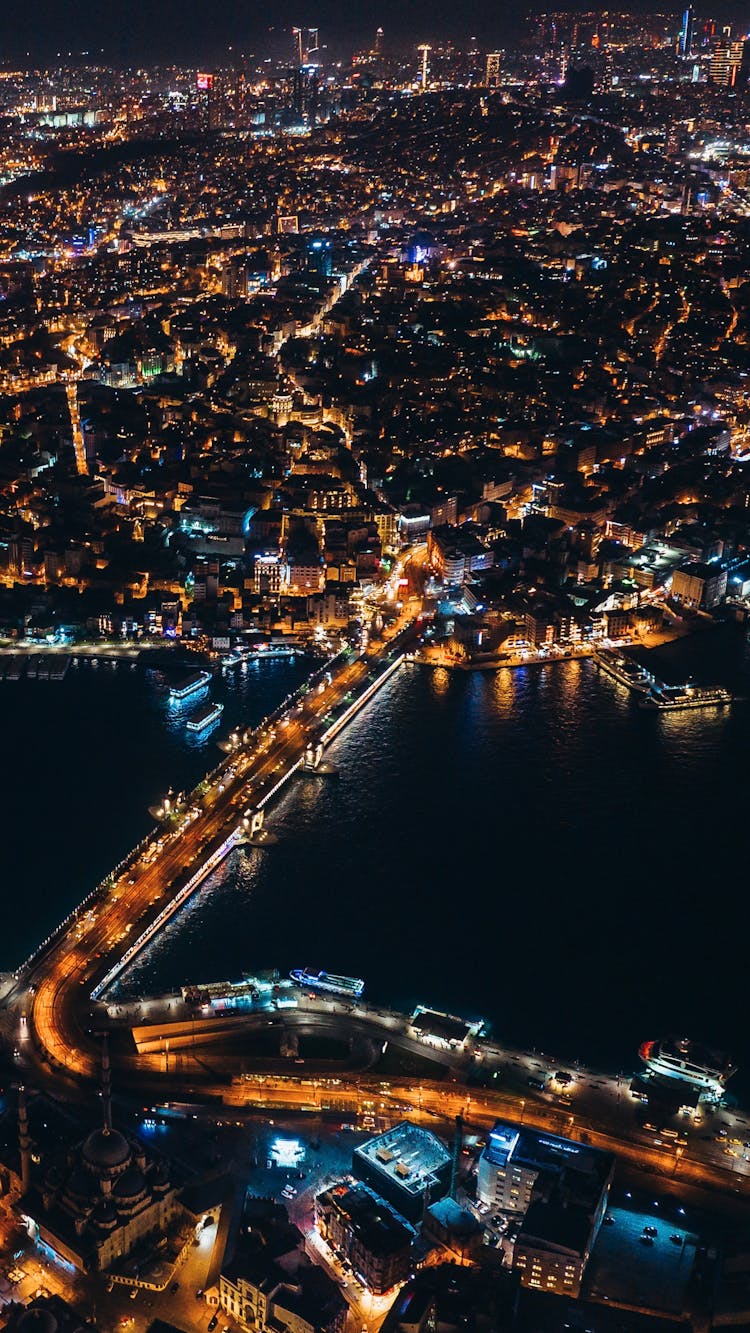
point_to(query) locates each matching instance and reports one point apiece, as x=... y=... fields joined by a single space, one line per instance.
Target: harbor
x=55 y=666
x=36 y=666
x=484 y=725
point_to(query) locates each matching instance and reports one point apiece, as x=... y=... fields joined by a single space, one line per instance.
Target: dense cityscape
x=425 y=356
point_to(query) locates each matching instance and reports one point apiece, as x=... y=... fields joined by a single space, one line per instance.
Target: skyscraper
x=685 y=41
x=492 y=76
x=726 y=61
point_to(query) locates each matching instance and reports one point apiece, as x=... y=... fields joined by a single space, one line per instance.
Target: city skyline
x=374 y=674
x=199 y=31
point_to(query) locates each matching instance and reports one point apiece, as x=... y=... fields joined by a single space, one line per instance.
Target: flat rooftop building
x=560 y=1188
x=368 y=1231
x=443 y=1029
x=404 y=1165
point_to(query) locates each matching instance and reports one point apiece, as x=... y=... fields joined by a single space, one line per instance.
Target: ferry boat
x=627 y=672
x=672 y=698
x=189 y=685
x=274 y=650
x=680 y=1058
x=203 y=717
x=351 y=986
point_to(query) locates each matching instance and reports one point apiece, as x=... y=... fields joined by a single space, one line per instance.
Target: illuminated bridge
x=77 y=963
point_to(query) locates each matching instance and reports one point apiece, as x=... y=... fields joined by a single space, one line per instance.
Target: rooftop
x=406 y=1155
x=573 y=1174
x=377 y=1225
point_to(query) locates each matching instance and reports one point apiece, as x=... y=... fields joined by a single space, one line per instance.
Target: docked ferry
x=680 y=1058
x=189 y=685
x=203 y=717
x=672 y=698
x=351 y=986
x=626 y=671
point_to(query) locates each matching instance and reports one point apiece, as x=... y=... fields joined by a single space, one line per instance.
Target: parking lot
x=625 y=1268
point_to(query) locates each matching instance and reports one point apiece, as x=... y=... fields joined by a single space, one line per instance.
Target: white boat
x=189 y=685
x=688 y=1061
x=328 y=981
x=673 y=698
x=203 y=717
x=626 y=671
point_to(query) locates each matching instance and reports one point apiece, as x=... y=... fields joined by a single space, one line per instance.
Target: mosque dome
x=105 y=1150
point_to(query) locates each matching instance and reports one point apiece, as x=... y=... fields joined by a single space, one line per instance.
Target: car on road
x=213 y=1321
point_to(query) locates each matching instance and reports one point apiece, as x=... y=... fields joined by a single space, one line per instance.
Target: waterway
x=530 y=847
x=83 y=760
x=526 y=846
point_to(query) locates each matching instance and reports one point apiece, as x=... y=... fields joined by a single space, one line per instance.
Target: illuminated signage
x=205 y=82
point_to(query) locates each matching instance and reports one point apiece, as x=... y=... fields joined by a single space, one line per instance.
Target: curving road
x=59 y=982
x=48 y=1013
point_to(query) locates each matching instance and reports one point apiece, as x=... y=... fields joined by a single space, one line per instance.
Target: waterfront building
x=559 y=1188
x=368 y=1232
x=700 y=586
x=445 y=1031
x=405 y=1166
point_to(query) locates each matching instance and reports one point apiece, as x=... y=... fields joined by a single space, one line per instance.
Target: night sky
x=182 y=30
x=147 y=31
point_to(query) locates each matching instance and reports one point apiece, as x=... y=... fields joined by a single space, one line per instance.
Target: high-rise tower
x=687 y=31
x=492 y=74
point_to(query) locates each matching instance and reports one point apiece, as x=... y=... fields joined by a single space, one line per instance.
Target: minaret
x=24 y=1142
x=457 y=1144
x=106 y=1086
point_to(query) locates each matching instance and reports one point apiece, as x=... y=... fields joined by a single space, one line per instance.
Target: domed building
x=47 y=1314
x=94 y=1202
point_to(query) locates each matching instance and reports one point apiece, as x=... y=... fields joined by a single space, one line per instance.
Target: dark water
x=83 y=760
x=530 y=847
